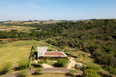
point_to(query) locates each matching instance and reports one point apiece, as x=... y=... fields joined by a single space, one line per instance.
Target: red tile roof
x=54 y=54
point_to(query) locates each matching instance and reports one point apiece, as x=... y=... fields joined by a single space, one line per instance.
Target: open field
x=32 y=22
x=20 y=22
x=19 y=28
x=15 y=51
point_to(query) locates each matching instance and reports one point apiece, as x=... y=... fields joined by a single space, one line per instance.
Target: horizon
x=56 y=20
x=24 y=10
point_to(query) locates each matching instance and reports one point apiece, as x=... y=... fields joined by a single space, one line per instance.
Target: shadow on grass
x=36 y=65
x=36 y=73
x=16 y=69
x=72 y=75
x=3 y=72
x=57 y=65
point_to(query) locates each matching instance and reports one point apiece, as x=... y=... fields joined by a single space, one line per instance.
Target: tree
x=33 y=50
x=31 y=56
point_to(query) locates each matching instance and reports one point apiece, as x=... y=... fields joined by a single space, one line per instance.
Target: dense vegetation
x=97 y=37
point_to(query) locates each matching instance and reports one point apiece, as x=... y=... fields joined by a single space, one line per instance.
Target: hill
x=97 y=37
x=30 y=22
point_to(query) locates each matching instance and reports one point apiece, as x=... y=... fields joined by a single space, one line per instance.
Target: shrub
x=23 y=64
x=111 y=69
x=80 y=67
x=77 y=67
x=62 y=62
x=90 y=73
x=6 y=67
x=41 y=62
x=22 y=73
x=38 y=72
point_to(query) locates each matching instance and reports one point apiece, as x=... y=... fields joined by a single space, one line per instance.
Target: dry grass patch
x=19 y=28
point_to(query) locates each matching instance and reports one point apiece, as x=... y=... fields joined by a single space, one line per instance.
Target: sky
x=57 y=9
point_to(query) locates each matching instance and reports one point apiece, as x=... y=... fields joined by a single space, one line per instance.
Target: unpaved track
x=72 y=63
x=44 y=70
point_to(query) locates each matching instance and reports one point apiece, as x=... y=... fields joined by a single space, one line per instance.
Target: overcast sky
x=56 y=9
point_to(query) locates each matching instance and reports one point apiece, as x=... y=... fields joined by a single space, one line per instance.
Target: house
x=42 y=53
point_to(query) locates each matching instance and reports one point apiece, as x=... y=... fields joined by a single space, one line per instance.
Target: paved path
x=44 y=70
x=71 y=64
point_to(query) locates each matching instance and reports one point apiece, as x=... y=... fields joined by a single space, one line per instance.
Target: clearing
x=15 y=51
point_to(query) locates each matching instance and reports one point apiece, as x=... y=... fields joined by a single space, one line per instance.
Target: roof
x=41 y=50
x=55 y=54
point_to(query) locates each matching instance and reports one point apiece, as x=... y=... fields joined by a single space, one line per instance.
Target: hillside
x=97 y=37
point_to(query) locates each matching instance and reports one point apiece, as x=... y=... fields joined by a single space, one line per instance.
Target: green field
x=15 y=51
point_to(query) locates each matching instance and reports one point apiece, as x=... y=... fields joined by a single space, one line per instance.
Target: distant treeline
x=97 y=37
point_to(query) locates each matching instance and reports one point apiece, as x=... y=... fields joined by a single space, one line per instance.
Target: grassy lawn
x=49 y=75
x=15 y=51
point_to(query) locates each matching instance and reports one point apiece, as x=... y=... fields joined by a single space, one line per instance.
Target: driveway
x=44 y=70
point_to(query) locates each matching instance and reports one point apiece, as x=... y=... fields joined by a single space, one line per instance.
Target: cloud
x=34 y=3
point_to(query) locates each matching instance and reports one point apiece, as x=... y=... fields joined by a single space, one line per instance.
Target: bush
x=62 y=62
x=90 y=73
x=93 y=66
x=111 y=69
x=80 y=67
x=38 y=72
x=41 y=62
x=23 y=64
x=6 y=67
x=22 y=73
